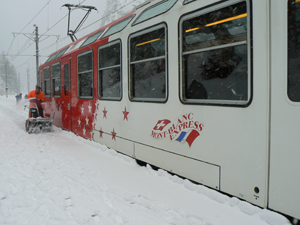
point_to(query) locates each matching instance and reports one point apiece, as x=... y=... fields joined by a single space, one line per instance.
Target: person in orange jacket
x=37 y=93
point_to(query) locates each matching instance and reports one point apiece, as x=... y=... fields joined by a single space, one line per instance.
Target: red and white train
x=206 y=89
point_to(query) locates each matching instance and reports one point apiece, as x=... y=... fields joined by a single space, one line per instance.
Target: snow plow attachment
x=37 y=125
x=37 y=122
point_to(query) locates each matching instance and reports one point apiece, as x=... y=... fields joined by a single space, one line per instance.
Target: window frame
x=185 y=2
x=51 y=57
x=290 y=75
x=61 y=53
x=92 y=70
x=87 y=40
x=41 y=81
x=136 y=22
x=74 y=46
x=249 y=44
x=106 y=33
x=66 y=65
x=53 y=80
x=47 y=80
x=110 y=67
x=166 y=56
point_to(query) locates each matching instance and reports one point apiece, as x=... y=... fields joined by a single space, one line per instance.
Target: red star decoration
x=101 y=132
x=125 y=114
x=104 y=113
x=113 y=134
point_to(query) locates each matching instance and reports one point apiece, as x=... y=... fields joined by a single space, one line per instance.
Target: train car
x=206 y=89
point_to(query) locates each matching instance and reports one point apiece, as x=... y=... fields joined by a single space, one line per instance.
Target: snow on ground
x=60 y=178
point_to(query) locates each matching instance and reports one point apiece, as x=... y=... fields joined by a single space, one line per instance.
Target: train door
x=66 y=94
x=284 y=195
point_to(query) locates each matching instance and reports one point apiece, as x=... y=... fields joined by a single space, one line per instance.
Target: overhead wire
x=99 y=19
x=60 y=20
x=46 y=48
x=107 y=15
x=10 y=45
x=65 y=37
x=47 y=29
x=23 y=48
x=29 y=23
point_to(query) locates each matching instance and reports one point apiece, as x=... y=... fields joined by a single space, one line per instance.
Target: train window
x=51 y=57
x=92 y=38
x=188 y=1
x=118 y=27
x=74 y=46
x=141 y=5
x=56 y=80
x=294 y=50
x=148 y=57
x=85 y=74
x=59 y=54
x=47 y=84
x=155 y=10
x=110 y=71
x=66 y=80
x=41 y=80
x=214 y=62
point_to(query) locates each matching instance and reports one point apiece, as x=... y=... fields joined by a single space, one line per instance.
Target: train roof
x=78 y=43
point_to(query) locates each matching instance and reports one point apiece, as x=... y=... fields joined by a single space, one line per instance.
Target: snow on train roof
x=145 y=11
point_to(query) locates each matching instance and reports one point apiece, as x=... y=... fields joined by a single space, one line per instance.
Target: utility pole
x=36 y=40
x=28 y=79
x=19 y=80
x=6 y=88
x=37 y=52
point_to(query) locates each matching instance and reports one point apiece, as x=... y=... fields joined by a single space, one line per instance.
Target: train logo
x=184 y=130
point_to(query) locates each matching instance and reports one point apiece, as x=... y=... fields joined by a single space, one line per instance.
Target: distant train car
x=206 y=89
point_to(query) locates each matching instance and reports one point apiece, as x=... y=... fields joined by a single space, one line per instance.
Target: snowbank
x=60 y=178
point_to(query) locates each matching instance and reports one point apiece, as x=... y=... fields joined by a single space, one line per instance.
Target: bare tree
x=8 y=76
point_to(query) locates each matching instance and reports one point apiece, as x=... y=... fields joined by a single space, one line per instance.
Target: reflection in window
x=294 y=50
x=217 y=74
x=92 y=38
x=215 y=57
x=56 y=80
x=110 y=71
x=225 y=26
x=117 y=27
x=85 y=75
x=149 y=45
x=155 y=10
x=148 y=66
x=47 y=84
x=148 y=79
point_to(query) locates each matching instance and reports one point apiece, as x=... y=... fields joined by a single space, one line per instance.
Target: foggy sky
x=15 y=16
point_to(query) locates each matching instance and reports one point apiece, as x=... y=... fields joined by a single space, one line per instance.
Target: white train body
x=240 y=135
